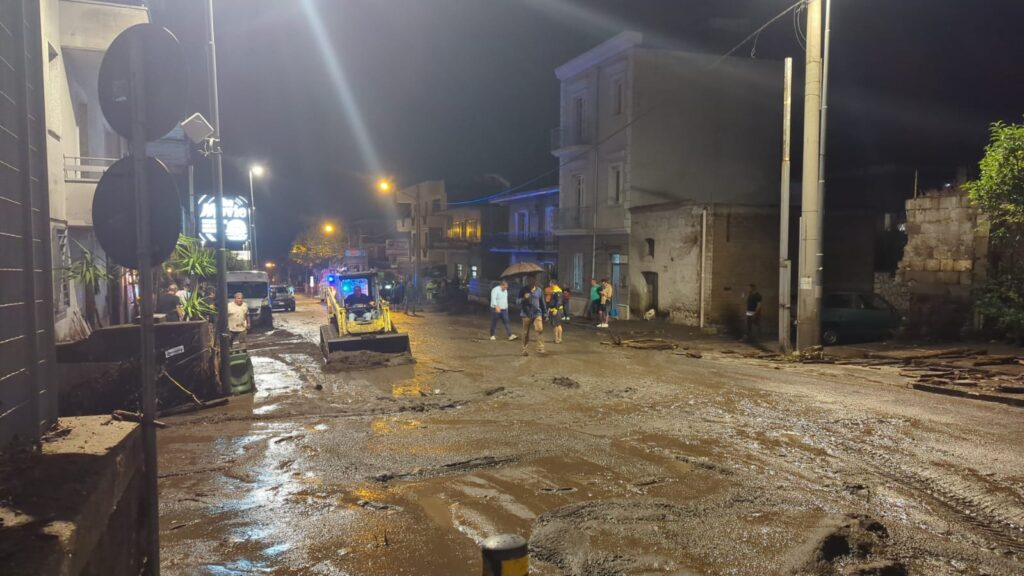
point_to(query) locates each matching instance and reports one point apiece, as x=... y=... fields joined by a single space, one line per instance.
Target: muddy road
x=611 y=461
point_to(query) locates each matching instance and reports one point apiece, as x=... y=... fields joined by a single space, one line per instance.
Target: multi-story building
x=80 y=146
x=669 y=166
x=467 y=239
x=427 y=200
x=532 y=223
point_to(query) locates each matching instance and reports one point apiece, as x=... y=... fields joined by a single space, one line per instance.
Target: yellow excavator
x=360 y=323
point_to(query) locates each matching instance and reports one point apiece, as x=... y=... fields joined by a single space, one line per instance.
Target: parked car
x=281 y=298
x=255 y=288
x=857 y=316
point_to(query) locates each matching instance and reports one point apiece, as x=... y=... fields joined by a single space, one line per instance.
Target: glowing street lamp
x=328 y=228
x=258 y=171
x=270 y=265
x=384 y=185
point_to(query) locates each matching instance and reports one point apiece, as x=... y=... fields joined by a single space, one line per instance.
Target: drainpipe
x=703 y=256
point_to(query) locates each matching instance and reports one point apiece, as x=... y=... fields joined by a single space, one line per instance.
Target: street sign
x=113 y=212
x=236 y=220
x=164 y=86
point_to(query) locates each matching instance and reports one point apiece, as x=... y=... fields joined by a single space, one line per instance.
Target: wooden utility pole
x=785 y=265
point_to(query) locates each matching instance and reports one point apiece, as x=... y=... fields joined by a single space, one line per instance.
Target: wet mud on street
x=609 y=460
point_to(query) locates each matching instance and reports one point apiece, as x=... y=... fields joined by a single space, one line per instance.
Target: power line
x=796 y=6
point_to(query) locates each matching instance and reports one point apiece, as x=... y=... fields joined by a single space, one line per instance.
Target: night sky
x=456 y=89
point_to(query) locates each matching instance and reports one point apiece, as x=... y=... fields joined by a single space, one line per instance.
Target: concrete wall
x=945 y=256
x=744 y=245
x=709 y=134
x=676 y=232
x=569 y=246
x=77 y=506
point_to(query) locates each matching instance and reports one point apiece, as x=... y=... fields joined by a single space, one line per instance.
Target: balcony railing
x=575 y=218
x=85 y=168
x=569 y=136
x=527 y=241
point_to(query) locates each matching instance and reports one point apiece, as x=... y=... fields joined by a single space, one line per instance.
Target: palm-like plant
x=197 y=308
x=88 y=271
x=191 y=259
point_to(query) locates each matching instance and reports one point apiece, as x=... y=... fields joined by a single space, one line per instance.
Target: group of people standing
x=536 y=306
x=601 y=293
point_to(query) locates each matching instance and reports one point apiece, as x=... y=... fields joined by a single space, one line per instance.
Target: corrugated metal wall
x=28 y=399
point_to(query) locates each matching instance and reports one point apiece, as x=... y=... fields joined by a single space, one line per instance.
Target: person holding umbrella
x=532 y=308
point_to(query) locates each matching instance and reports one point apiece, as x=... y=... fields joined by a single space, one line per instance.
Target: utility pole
x=809 y=300
x=218 y=186
x=785 y=265
x=254 y=258
x=417 y=214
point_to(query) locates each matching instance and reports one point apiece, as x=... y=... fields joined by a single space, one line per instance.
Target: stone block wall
x=945 y=256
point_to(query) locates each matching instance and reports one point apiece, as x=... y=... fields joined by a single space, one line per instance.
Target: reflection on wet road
x=651 y=463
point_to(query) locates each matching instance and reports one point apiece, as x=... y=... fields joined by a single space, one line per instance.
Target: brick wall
x=945 y=256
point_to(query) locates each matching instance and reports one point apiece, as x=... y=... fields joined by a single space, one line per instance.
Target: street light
x=328 y=228
x=384 y=185
x=258 y=171
x=270 y=265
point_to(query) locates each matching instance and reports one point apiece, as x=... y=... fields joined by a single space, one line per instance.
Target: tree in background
x=999 y=194
x=314 y=248
x=88 y=271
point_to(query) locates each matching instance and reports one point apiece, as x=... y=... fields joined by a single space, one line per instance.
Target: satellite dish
x=164 y=81
x=113 y=212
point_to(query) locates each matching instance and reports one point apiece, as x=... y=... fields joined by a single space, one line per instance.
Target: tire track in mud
x=996 y=517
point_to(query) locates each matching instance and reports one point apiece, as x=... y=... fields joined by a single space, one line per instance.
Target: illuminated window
x=474 y=272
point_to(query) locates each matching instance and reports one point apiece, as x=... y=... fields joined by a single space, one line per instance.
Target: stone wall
x=945 y=256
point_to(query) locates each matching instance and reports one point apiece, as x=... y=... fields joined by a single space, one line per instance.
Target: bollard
x=505 y=555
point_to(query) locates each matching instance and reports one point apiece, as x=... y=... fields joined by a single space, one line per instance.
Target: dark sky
x=456 y=89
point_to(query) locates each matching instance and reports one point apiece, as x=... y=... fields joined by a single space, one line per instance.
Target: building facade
x=531 y=227
x=80 y=147
x=426 y=201
x=659 y=151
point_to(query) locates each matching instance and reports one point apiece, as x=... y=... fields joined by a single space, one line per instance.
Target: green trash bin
x=241 y=376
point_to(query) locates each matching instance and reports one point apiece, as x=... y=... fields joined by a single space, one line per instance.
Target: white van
x=255 y=288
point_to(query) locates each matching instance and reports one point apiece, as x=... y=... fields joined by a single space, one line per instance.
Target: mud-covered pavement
x=611 y=461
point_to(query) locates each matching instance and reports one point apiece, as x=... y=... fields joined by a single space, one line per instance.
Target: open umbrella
x=522 y=269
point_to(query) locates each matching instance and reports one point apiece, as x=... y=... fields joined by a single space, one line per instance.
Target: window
x=618 y=97
x=650 y=247
x=435 y=205
x=474 y=272
x=578 y=188
x=578 y=118
x=615 y=184
x=522 y=224
x=459 y=270
x=549 y=221
x=577 y=271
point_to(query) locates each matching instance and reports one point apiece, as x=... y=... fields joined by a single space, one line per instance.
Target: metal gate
x=28 y=399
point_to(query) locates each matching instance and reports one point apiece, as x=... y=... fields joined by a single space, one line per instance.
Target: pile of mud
x=364 y=360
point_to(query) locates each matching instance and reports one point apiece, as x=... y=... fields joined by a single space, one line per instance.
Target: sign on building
x=397 y=248
x=236 y=220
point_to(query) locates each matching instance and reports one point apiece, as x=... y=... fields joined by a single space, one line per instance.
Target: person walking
x=556 y=309
x=532 y=311
x=604 y=302
x=753 y=312
x=499 y=309
x=238 y=319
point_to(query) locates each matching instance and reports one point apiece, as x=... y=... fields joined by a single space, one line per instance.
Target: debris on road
x=493 y=391
x=125 y=416
x=565 y=382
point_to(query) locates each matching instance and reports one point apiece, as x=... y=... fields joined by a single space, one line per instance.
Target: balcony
x=569 y=139
x=85 y=169
x=523 y=242
x=575 y=218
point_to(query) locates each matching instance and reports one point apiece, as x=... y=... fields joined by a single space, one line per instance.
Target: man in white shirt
x=238 y=318
x=499 y=309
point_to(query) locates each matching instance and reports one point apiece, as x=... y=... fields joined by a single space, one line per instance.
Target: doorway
x=651 y=280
